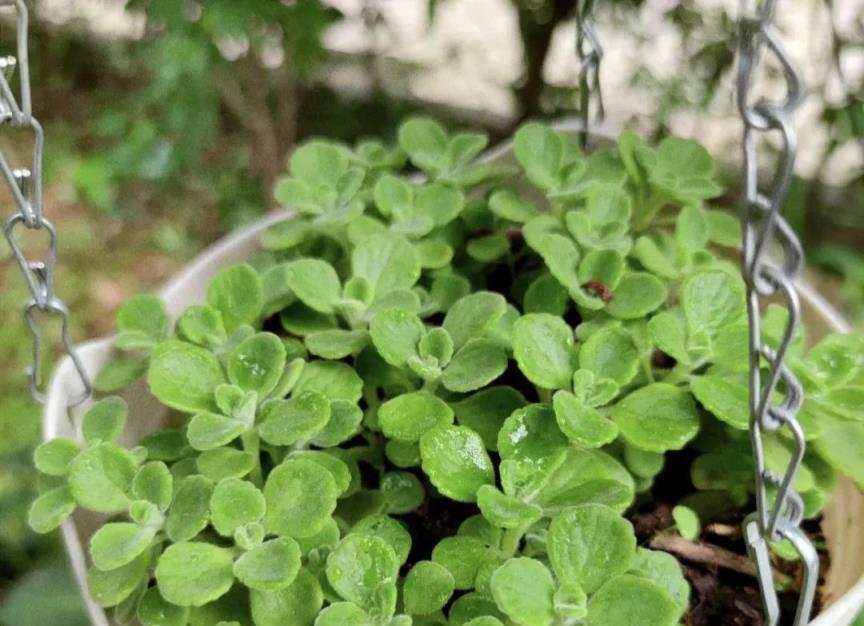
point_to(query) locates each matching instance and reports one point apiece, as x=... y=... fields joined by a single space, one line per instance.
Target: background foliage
x=160 y=141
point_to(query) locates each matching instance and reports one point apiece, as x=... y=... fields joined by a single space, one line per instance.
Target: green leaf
x=530 y=433
x=475 y=365
x=104 y=421
x=669 y=333
x=506 y=511
x=611 y=353
x=336 y=343
x=393 y=196
x=712 y=300
x=727 y=401
x=540 y=151
x=142 y=322
x=571 y=601
x=118 y=543
x=403 y=490
x=438 y=345
x=590 y=545
x=113 y=587
x=440 y=203
x=153 y=482
x=298 y=603
x=507 y=204
x=50 y=509
x=523 y=589
x=637 y=295
x=561 y=257
x=473 y=315
x=301 y=497
x=190 y=512
x=687 y=522
x=583 y=425
x=653 y=259
x=53 y=457
x=285 y=422
x=603 y=266
x=207 y=431
x=488 y=249
x=390 y=530
x=663 y=569
x=629 y=599
x=100 y=478
x=546 y=295
x=184 y=376
x=387 y=262
x=272 y=565
x=395 y=334
x=428 y=587
x=235 y=503
x=463 y=557
x=426 y=143
x=402 y=453
x=319 y=163
x=154 y=610
x=119 y=374
x=237 y=293
x=345 y=419
x=485 y=411
x=315 y=283
x=472 y=606
x=724 y=229
x=334 y=380
x=409 y=416
x=194 y=574
x=456 y=462
x=334 y=462
x=342 y=614
x=225 y=463
x=657 y=417
x=257 y=363
x=543 y=346
x=360 y=565
x=691 y=229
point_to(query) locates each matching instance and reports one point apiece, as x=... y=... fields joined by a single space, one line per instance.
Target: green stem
x=545 y=395
x=252 y=445
x=510 y=540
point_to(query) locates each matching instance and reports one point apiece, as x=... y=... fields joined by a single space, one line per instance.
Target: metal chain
x=25 y=186
x=590 y=54
x=779 y=509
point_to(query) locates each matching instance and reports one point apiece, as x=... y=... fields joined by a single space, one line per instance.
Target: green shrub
x=440 y=394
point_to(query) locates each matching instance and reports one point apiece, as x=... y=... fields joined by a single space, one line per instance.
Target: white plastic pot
x=843 y=523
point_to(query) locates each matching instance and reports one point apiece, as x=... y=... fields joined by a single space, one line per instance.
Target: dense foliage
x=437 y=390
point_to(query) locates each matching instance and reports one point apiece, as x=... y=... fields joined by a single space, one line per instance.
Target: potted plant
x=442 y=392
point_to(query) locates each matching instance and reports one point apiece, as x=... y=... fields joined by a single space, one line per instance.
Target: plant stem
x=252 y=445
x=510 y=540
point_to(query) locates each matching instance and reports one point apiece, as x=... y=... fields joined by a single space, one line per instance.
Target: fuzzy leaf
x=345 y=419
x=509 y=205
x=272 y=565
x=100 y=478
x=589 y=545
x=395 y=334
x=50 y=509
x=390 y=530
x=523 y=589
x=387 y=262
x=663 y=569
x=336 y=343
x=403 y=490
x=668 y=332
x=285 y=422
x=194 y=574
x=104 y=421
x=235 y=503
x=118 y=543
x=475 y=365
x=207 y=431
x=237 y=294
x=472 y=315
x=315 y=283
x=298 y=603
x=485 y=411
x=332 y=379
x=153 y=482
x=112 y=588
x=53 y=457
x=428 y=587
x=184 y=376
x=727 y=401
x=539 y=150
x=360 y=565
x=456 y=462
x=257 y=363
x=190 y=512
x=463 y=557
x=409 y=416
x=610 y=353
x=583 y=425
x=142 y=323
x=544 y=349
x=637 y=295
x=301 y=497
x=425 y=141
x=657 y=417
x=629 y=599
x=712 y=300
x=154 y=610
x=506 y=511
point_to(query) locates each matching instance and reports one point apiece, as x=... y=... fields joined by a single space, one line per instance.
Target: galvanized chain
x=590 y=54
x=779 y=509
x=25 y=186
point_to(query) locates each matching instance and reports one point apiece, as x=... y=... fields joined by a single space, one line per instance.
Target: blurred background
x=167 y=122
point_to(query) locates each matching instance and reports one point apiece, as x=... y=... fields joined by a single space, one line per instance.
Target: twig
x=709 y=554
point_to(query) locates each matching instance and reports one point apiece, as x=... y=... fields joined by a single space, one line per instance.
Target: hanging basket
x=842 y=524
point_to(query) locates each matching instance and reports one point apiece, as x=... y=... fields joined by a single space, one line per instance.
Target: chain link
x=779 y=509
x=25 y=186
x=590 y=54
